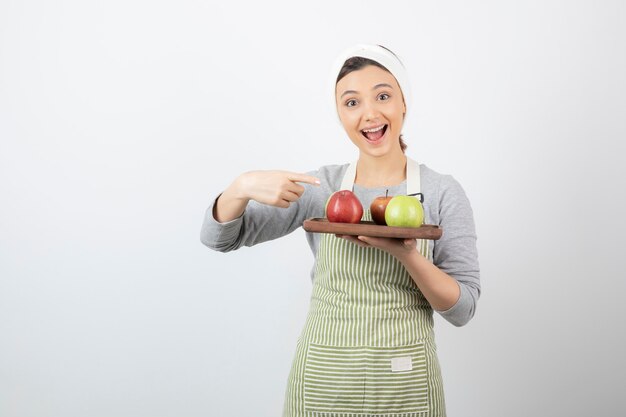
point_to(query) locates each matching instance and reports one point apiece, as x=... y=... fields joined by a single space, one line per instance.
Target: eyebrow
x=374 y=88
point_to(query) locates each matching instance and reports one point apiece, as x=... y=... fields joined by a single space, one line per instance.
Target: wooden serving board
x=369 y=228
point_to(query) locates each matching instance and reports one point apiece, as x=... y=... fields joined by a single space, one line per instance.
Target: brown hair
x=356 y=63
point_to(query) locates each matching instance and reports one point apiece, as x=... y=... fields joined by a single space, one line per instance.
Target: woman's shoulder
x=432 y=179
x=431 y=175
x=442 y=185
x=332 y=169
x=330 y=174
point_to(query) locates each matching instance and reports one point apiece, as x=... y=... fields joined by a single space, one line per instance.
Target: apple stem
x=421 y=196
x=387 y=193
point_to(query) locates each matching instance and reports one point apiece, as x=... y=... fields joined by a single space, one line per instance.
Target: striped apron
x=367 y=347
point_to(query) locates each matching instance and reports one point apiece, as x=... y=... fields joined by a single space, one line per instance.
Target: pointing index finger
x=293 y=176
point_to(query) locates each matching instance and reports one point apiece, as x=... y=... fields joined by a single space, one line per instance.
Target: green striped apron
x=367 y=347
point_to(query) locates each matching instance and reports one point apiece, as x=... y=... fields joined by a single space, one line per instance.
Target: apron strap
x=349 y=177
x=413 y=183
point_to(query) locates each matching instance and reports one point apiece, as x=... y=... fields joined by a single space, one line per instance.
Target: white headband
x=379 y=54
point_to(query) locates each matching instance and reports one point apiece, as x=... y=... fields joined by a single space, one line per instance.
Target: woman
x=367 y=346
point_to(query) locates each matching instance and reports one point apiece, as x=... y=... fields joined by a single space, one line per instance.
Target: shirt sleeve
x=455 y=252
x=258 y=223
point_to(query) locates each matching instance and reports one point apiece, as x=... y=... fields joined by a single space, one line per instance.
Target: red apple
x=343 y=206
x=378 y=207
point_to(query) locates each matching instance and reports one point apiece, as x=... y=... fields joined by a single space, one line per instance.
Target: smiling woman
x=371 y=109
x=357 y=63
x=367 y=347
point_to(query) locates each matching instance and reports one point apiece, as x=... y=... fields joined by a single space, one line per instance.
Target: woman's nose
x=370 y=111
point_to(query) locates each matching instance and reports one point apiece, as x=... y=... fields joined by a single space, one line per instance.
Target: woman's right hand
x=274 y=188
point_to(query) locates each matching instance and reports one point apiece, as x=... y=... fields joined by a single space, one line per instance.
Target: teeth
x=373 y=130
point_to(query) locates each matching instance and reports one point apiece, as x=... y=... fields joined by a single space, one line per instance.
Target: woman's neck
x=381 y=171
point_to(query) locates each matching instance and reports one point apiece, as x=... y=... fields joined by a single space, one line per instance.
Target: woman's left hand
x=397 y=247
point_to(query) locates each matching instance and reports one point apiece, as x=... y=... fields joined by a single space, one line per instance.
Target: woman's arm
x=258 y=206
x=274 y=188
x=440 y=289
x=450 y=283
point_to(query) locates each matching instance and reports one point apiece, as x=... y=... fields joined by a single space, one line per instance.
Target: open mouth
x=375 y=133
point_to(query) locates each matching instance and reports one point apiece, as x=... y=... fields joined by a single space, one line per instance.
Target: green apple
x=404 y=211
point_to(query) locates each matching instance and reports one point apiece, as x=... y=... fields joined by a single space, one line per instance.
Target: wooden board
x=369 y=228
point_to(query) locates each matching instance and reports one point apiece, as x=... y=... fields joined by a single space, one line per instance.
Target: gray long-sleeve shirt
x=445 y=204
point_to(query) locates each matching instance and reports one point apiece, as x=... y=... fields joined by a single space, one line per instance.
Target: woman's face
x=371 y=109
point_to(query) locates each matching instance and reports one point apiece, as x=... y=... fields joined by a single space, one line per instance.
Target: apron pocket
x=366 y=380
x=334 y=379
x=396 y=380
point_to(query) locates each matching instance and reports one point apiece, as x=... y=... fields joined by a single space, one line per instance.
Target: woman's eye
x=384 y=96
x=351 y=103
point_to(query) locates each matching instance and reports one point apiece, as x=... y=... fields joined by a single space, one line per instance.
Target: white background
x=121 y=120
